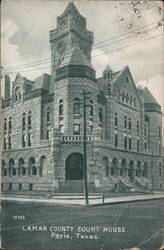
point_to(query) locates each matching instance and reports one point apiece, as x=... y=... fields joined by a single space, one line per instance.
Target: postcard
x=82 y=104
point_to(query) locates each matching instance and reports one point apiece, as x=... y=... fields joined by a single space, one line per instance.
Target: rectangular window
x=115 y=120
x=116 y=140
x=138 y=145
x=5 y=144
x=9 y=143
x=130 y=124
x=10 y=186
x=61 y=109
x=30 y=186
x=125 y=142
x=29 y=140
x=76 y=129
x=23 y=141
x=48 y=135
x=20 y=186
x=23 y=123
x=125 y=122
x=130 y=144
x=145 y=131
x=138 y=126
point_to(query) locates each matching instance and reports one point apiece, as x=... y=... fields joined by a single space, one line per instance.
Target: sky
x=125 y=33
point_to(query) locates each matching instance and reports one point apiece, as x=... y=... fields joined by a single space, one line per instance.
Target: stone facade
x=43 y=123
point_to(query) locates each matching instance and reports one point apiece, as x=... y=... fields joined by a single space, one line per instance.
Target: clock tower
x=70 y=32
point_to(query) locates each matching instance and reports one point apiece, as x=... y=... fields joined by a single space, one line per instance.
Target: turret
x=107 y=73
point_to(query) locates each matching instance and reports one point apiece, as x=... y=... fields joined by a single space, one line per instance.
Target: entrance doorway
x=74 y=167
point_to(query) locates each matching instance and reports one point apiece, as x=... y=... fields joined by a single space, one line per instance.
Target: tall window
x=48 y=134
x=76 y=106
x=130 y=143
x=116 y=140
x=76 y=129
x=91 y=108
x=61 y=108
x=125 y=142
x=29 y=140
x=24 y=121
x=138 y=145
x=29 y=119
x=5 y=125
x=138 y=126
x=10 y=125
x=17 y=94
x=125 y=122
x=23 y=140
x=100 y=115
x=5 y=144
x=32 y=166
x=48 y=115
x=130 y=124
x=115 y=120
x=9 y=142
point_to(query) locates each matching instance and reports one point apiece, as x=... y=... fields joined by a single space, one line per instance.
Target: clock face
x=61 y=47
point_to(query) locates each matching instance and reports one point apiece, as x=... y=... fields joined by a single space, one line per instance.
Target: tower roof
x=148 y=97
x=76 y=57
x=71 y=9
x=107 y=68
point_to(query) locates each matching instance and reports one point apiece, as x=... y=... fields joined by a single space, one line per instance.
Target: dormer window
x=17 y=94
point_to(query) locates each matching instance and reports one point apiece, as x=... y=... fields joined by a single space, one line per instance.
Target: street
x=54 y=226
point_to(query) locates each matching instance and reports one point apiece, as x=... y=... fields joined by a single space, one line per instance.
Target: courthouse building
x=43 y=123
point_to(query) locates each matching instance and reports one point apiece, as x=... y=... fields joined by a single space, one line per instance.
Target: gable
x=125 y=89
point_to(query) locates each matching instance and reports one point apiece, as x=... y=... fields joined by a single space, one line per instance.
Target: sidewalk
x=93 y=200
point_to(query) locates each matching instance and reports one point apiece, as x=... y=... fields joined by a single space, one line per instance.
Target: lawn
x=111 y=227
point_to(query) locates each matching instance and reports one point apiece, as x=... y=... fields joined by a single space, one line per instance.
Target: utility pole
x=152 y=170
x=85 y=149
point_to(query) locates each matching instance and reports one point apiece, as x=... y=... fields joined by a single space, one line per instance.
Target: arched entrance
x=74 y=167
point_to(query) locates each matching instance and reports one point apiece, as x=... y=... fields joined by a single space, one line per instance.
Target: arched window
x=32 y=166
x=76 y=106
x=29 y=119
x=48 y=114
x=61 y=108
x=21 y=168
x=11 y=166
x=43 y=169
x=23 y=121
x=17 y=94
x=106 y=166
x=114 y=167
x=4 y=169
x=100 y=115
x=123 y=170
